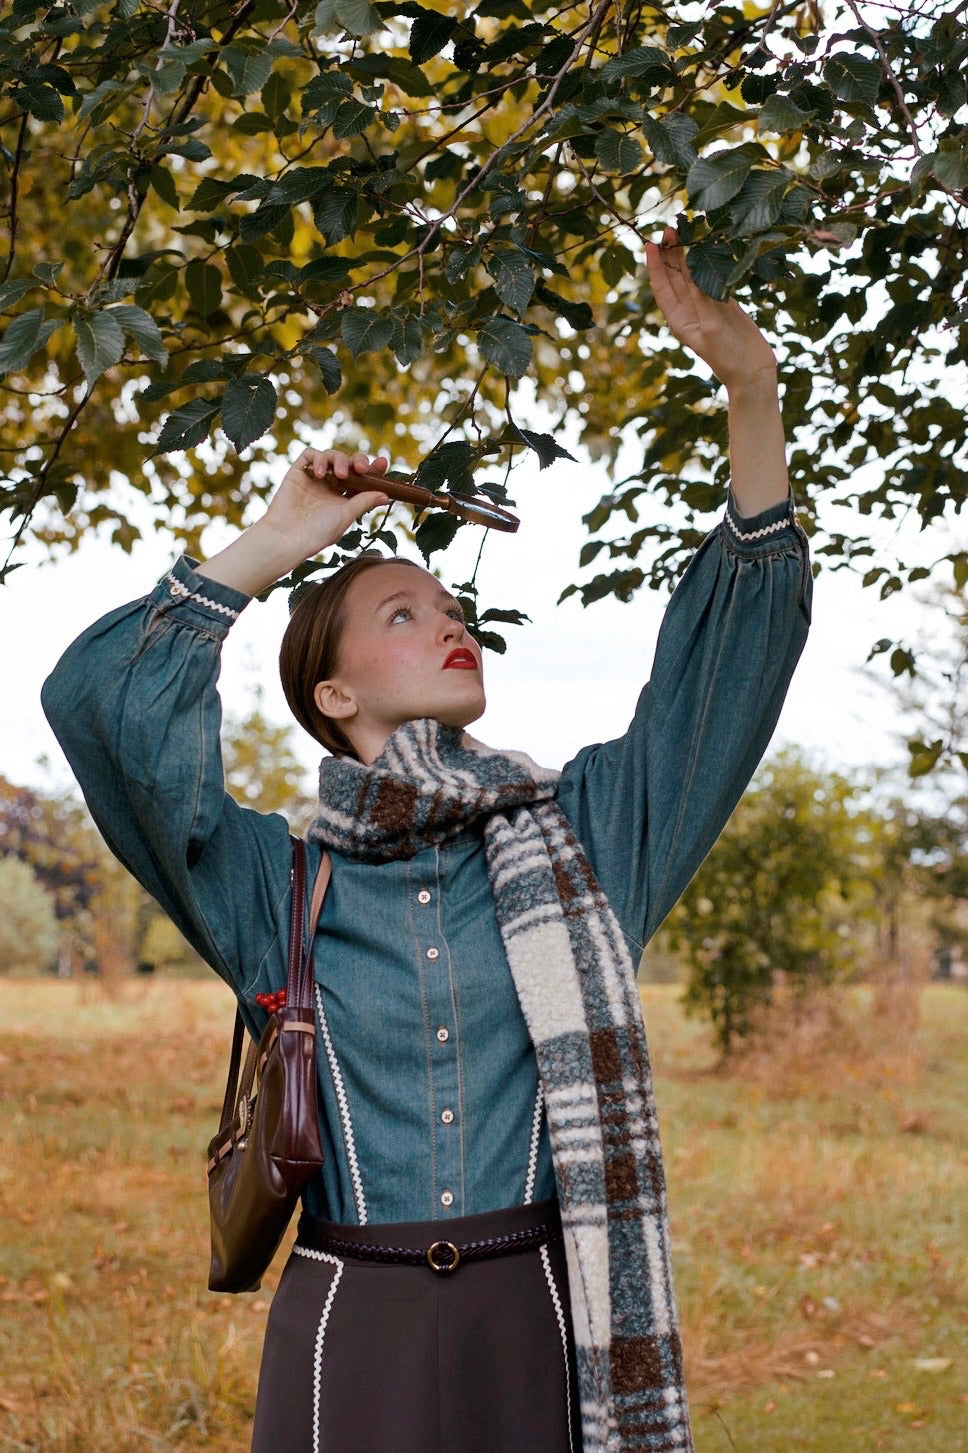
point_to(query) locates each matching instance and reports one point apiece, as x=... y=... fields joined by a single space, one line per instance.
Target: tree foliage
x=28 y=928
x=423 y=224
x=781 y=893
x=261 y=768
x=53 y=834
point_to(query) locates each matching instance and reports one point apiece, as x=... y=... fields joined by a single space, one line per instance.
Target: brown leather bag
x=268 y=1144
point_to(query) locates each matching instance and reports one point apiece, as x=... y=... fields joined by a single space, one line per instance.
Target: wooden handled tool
x=478 y=511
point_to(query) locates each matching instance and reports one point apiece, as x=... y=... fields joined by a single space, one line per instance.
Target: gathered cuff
x=770 y=532
x=189 y=595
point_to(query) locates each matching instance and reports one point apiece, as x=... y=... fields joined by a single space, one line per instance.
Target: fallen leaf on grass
x=932 y=1364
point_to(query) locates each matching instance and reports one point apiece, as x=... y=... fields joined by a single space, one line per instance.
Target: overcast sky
x=570 y=677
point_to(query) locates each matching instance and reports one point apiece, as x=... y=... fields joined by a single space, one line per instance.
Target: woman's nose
x=452 y=629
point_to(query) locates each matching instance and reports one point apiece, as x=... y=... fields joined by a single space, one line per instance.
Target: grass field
x=816 y=1195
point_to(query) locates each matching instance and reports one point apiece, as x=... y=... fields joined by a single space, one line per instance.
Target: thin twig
x=14 y=176
x=888 y=73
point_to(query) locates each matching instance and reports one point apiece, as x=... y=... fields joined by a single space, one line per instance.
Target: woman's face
x=403 y=654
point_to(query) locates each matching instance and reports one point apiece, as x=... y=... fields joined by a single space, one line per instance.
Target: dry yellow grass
x=815 y=1195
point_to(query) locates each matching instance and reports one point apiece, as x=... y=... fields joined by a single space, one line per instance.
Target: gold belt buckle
x=445 y=1248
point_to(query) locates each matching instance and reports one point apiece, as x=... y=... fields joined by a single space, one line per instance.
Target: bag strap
x=298 y=984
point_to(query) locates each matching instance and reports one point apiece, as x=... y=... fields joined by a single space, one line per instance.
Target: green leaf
x=780 y=114
x=671 y=139
x=211 y=193
x=758 y=204
x=617 y=262
x=204 y=283
x=328 y=364
x=337 y=213
x=448 y=464
x=545 y=446
x=248 y=409
x=951 y=169
x=352 y=118
x=435 y=533
x=100 y=343
x=188 y=426
x=711 y=265
x=41 y=101
x=364 y=330
x=506 y=345
x=48 y=272
x=104 y=98
x=142 y=327
x=356 y=17
x=23 y=338
x=924 y=757
x=429 y=34
x=245 y=264
x=714 y=181
x=14 y=289
x=851 y=78
x=643 y=60
x=406 y=340
x=618 y=152
x=513 y=278
x=249 y=69
x=577 y=315
x=164 y=184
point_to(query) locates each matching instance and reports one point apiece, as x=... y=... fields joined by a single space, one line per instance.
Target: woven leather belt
x=441 y=1256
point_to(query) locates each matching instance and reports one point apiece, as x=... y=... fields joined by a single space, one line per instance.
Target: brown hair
x=310 y=648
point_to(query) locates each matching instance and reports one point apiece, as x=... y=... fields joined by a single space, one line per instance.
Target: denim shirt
x=428 y=1080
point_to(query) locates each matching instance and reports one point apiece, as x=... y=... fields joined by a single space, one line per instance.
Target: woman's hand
x=721 y=334
x=307 y=514
x=728 y=340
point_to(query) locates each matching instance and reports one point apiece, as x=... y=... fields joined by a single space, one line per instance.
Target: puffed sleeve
x=649 y=805
x=135 y=707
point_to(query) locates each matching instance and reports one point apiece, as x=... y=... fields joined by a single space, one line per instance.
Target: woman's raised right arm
x=134 y=705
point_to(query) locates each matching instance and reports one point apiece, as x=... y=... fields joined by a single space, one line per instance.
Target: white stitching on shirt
x=556 y=1302
x=533 y=1150
x=321 y=1330
x=344 y=1112
x=182 y=592
x=761 y=534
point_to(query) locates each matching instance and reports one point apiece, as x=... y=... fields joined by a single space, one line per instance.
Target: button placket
x=443 y=1052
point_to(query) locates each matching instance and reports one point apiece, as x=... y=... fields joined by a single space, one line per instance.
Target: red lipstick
x=460 y=660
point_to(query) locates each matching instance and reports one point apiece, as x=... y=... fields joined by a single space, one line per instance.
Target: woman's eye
x=457 y=614
x=402 y=612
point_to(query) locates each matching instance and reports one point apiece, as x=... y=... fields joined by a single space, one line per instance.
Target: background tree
x=261 y=768
x=28 y=927
x=930 y=821
x=782 y=893
x=424 y=223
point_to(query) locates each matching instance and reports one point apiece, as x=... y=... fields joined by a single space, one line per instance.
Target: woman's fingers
x=334 y=463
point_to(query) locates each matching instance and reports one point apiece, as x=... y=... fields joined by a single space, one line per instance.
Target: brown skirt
x=362 y=1357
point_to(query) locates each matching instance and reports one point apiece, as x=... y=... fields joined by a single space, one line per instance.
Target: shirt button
x=423 y=896
x=446 y=1198
x=443 y=1034
x=433 y=953
x=447 y=1116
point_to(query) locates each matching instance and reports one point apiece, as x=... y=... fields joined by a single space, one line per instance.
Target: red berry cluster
x=271 y=1002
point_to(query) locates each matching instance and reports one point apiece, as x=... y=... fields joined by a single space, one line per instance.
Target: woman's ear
x=334 y=701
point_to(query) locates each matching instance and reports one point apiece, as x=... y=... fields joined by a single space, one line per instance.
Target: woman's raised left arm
x=649 y=805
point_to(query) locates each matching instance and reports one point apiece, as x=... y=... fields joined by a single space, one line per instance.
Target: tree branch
x=889 y=75
x=14 y=176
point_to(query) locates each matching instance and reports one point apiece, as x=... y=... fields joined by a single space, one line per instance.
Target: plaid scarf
x=576 y=985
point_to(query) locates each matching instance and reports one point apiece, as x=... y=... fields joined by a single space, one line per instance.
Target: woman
x=482 y=1065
